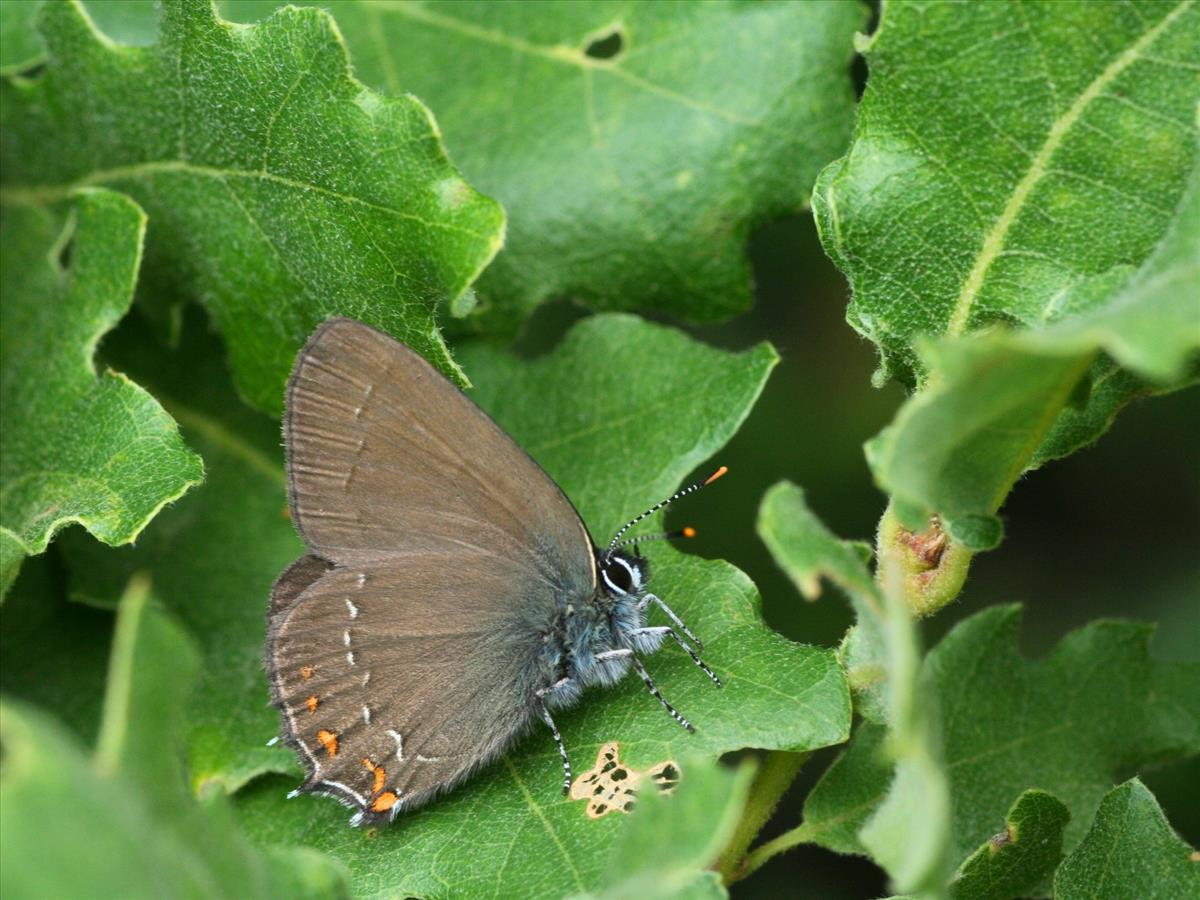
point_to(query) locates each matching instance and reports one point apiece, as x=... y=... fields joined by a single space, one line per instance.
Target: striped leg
x=658 y=601
x=653 y=688
x=620 y=653
x=664 y=630
x=562 y=750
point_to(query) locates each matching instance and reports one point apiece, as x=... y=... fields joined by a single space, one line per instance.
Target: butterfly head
x=623 y=574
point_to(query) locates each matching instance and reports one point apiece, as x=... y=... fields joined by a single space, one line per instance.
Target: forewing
x=395 y=682
x=386 y=456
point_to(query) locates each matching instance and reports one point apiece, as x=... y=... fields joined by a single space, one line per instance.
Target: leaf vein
x=541 y=815
x=41 y=195
x=567 y=56
x=993 y=241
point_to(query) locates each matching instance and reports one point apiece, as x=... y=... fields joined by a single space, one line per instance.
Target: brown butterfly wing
x=440 y=551
x=385 y=456
x=294 y=581
x=396 y=681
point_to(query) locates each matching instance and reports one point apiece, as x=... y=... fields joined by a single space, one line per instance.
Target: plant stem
x=778 y=772
x=763 y=853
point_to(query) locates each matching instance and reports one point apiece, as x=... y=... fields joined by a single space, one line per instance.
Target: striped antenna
x=690 y=489
x=688 y=532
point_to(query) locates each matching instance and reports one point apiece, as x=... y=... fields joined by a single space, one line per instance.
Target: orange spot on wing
x=329 y=741
x=689 y=532
x=312 y=703
x=306 y=672
x=379 y=773
x=384 y=802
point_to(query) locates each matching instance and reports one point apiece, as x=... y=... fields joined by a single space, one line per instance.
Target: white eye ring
x=635 y=578
x=612 y=587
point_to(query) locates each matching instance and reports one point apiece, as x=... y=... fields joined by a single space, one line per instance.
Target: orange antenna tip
x=683 y=492
x=689 y=532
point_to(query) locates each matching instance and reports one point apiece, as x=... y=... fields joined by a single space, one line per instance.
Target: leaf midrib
x=537 y=811
x=43 y=195
x=993 y=242
x=568 y=56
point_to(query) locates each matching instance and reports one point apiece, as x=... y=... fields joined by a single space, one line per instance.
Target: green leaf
x=213 y=556
x=1013 y=862
x=1049 y=143
x=583 y=412
x=1129 y=852
x=671 y=840
x=909 y=833
x=1001 y=404
x=101 y=821
x=152 y=665
x=807 y=552
x=125 y=21
x=612 y=412
x=631 y=182
x=957 y=448
x=279 y=189
x=849 y=791
x=19 y=44
x=1067 y=724
x=903 y=826
x=1098 y=705
x=1150 y=327
x=122 y=21
x=1006 y=172
x=54 y=654
x=76 y=446
x=127 y=803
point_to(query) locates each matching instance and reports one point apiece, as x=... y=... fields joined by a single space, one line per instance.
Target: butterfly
x=451 y=596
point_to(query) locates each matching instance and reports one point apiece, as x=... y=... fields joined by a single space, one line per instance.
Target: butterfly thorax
x=579 y=646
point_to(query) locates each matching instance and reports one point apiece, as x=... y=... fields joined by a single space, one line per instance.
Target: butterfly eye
x=620 y=575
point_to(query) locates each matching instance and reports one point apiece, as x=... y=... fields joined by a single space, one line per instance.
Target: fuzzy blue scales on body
x=451 y=595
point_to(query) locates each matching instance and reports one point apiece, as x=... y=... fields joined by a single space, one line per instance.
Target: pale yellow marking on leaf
x=606 y=793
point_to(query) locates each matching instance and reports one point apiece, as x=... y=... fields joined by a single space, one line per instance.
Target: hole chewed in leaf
x=611 y=786
x=665 y=776
x=607 y=45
